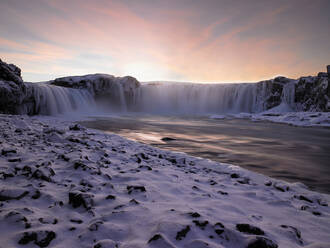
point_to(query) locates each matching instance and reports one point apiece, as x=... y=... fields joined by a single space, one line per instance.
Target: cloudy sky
x=182 y=40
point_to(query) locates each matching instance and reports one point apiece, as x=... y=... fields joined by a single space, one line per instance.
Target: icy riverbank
x=306 y=119
x=66 y=186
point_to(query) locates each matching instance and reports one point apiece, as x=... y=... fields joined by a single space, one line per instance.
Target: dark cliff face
x=11 y=88
x=312 y=94
x=10 y=72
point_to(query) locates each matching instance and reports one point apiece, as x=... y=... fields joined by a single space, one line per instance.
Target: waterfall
x=166 y=98
x=188 y=98
x=53 y=100
x=288 y=95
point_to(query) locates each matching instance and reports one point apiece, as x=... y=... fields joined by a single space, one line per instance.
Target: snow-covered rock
x=10 y=72
x=105 y=88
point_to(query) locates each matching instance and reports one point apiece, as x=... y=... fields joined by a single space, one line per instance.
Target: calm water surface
x=277 y=150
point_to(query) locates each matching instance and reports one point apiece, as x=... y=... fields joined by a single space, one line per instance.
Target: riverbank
x=63 y=185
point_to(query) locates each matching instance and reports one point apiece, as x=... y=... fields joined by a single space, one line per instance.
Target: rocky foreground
x=62 y=185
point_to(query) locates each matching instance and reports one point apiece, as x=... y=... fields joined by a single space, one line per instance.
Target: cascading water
x=52 y=100
x=166 y=98
x=199 y=98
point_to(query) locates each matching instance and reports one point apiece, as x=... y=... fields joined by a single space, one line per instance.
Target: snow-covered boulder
x=98 y=84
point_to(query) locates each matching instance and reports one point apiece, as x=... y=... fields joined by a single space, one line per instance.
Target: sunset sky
x=195 y=40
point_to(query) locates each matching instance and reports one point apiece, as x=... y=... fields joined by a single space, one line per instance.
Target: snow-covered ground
x=321 y=119
x=62 y=185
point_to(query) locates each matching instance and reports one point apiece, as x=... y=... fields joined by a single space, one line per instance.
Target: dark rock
x=77 y=199
x=95 y=226
x=322 y=74
x=195 y=188
x=143 y=156
x=133 y=201
x=304 y=198
x=201 y=224
x=281 y=188
x=79 y=164
x=194 y=215
x=219 y=231
x=119 y=206
x=4 y=152
x=43 y=174
x=244 y=180
x=219 y=228
x=76 y=221
x=6 y=195
x=269 y=183
x=322 y=203
x=106 y=243
x=172 y=160
x=155 y=237
x=40 y=238
x=36 y=195
x=262 y=242
x=145 y=167
x=249 y=229
x=76 y=127
x=304 y=207
x=65 y=158
x=10 y=72
x=110 y=197
x=234 y=175
x=182 y=234
x=131 y=188
x=12 y=160
x=213 y=182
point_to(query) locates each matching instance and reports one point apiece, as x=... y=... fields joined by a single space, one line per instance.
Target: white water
x=198 y=98
x=186 y=98
x=53 y=100
x=164 y=98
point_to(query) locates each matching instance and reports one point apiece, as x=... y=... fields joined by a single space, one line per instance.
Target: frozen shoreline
x=85 y=188
x=305 y=119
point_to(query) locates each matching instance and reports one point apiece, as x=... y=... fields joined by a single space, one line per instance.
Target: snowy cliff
x=61 y=95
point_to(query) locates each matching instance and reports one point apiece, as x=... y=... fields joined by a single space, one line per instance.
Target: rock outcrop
x=10 y=72
x=304 y=94
x=11 y=88
x=313 y=93
x=105 y=88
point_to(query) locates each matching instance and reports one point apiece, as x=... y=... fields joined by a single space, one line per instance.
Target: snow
x=63 y=185
x=307 y=119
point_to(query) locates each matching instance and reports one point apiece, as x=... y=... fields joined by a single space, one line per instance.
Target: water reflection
x=281 y=151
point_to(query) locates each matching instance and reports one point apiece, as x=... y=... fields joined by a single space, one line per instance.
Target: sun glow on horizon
x=204 y=41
